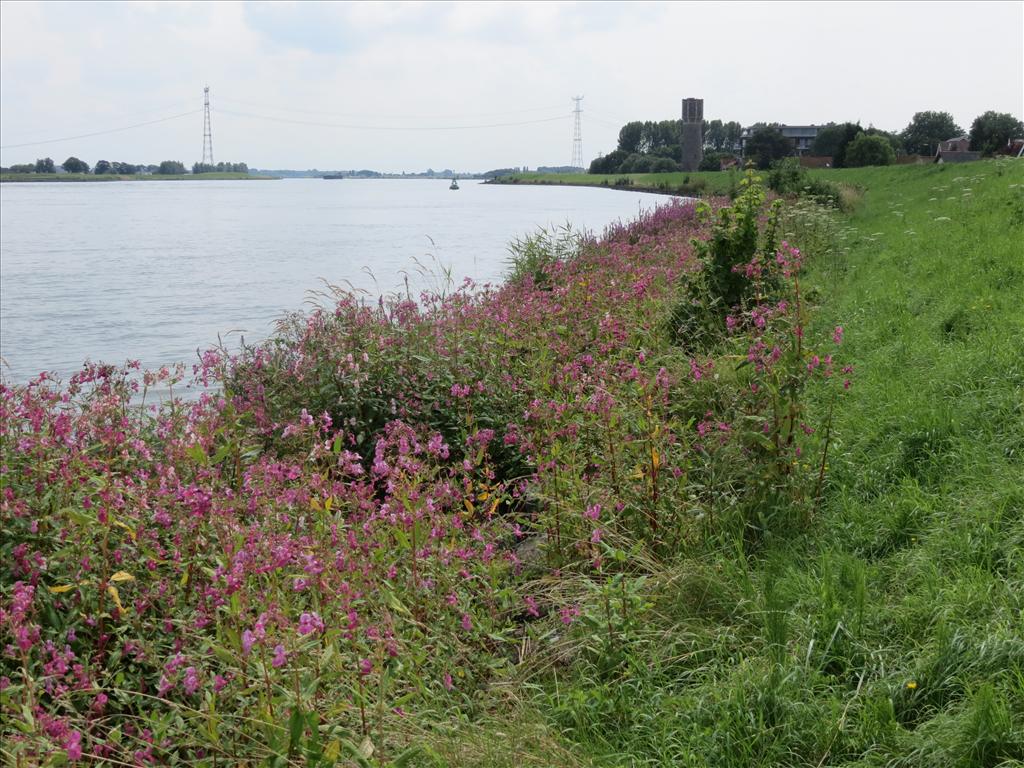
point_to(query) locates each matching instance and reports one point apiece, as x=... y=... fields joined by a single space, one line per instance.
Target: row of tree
x=655 y=146
x=166 y=168
x=220 y=168
x=850 y=145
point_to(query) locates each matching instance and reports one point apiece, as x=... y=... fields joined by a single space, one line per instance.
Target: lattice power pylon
x=577 y=134
x=207 y=130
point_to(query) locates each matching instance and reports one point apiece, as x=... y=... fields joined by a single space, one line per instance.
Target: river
x=155 y=270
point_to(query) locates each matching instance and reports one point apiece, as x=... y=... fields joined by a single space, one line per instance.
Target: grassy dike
x=735 y=484
x=889 y=633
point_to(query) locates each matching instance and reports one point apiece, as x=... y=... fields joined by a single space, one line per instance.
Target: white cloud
x=71 y=68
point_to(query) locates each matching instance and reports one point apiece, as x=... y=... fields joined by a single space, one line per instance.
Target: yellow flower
x=912 y=685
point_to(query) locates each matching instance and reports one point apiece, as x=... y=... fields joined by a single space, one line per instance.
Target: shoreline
x=612 y=187
x=74 y=178
x=675 y=184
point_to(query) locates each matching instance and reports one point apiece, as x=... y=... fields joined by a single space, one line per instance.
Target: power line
x=79 y=124
x=604 y=122
x=388 y=117
x=388 y=127
x=608 y=116
x=100 y=133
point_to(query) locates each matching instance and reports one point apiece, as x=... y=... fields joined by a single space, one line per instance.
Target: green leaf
x=314 y=749
x=296 y=726
x=197 y=454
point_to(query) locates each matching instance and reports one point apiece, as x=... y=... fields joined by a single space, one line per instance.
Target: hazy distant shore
x=76 y=177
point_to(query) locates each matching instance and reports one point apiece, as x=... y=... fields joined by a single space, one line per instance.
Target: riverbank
x=698 y=183
x=590 y=517
x=87 y=177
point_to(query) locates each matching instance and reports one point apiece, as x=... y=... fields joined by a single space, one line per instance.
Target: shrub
x=869 y=150
x=664 y=165
x=788 y=177
x=712 y=161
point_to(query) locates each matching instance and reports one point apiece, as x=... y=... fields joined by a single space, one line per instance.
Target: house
x=1013 y=148
x=956 y=150
x=800 y=136
x=956 y=144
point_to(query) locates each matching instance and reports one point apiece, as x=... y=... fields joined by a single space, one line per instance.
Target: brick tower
x=693 y=134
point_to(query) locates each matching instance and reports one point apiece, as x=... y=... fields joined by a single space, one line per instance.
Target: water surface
x=156 y=270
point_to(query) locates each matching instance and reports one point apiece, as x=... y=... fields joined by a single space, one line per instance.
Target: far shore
x=86 y=177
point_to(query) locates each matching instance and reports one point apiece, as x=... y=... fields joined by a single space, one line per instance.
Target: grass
x=889 y=633
x=69 y=177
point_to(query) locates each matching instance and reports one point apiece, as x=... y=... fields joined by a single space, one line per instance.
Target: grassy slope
x=890 y=634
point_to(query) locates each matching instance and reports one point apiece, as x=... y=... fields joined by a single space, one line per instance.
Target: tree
x=733 y=132
x=766 y=145
x=45 y=165
x=712 y=162
x=722 y=137
x=714 y=135
x=993 y=130
x=832 y=140
x=926 y=130
x=629 y=137
x=126 y=168
x=636 y=163
x=102 y=167
x=894 y=139
x=23 y=168
x=74 y=165
x=869 y=150
x=664 y=165
x=170 y=168
x=609 y=163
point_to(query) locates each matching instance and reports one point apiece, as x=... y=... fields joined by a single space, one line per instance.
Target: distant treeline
x=165 y=168
x=364 y=173
x=220 y=168
x=656 y=146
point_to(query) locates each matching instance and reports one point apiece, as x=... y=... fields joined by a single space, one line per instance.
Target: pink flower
x=365 y=666
x=280 y=657
x=592 y=512
x=569 y=614
x=191 y=680
x=310 y=622
x=248 y=639
x=448 y=685
x=837 y=334
x=531 y=606
x=595 y=537
x=467 y=622
x=73 y=746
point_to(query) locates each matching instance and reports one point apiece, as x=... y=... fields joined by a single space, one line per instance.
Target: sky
x=474 y=85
